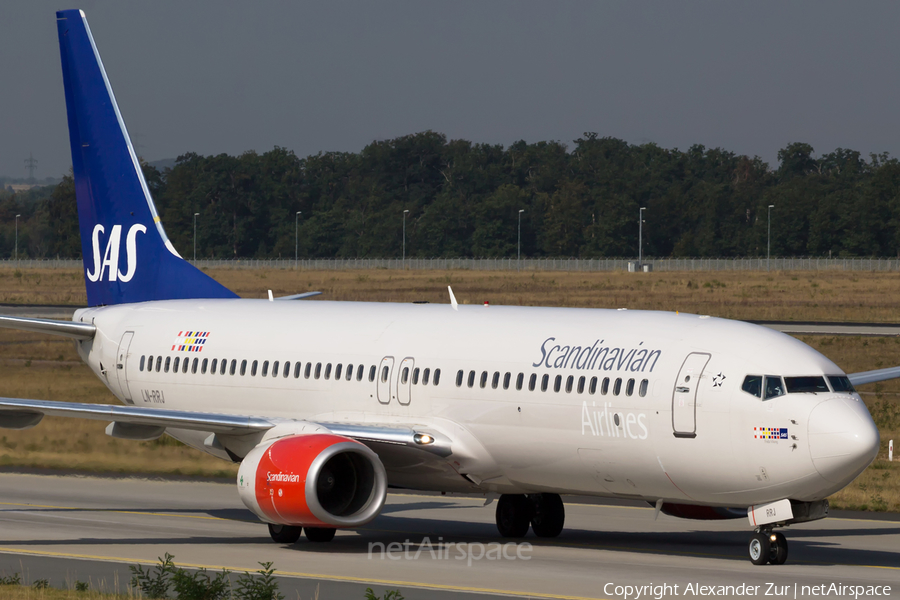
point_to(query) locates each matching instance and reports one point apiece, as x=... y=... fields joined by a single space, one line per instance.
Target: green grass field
x=35 y=366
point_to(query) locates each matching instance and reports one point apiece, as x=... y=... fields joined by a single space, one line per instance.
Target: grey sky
x=214 y=77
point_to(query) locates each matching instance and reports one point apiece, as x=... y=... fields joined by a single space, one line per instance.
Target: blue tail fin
x=127 y=256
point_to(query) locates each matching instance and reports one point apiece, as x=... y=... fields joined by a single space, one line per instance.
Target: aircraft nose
x=843 y=439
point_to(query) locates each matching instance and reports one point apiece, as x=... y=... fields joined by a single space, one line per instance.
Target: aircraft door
x=384 y=379
x=404 y=380
x=684 y=397
x=122 y=364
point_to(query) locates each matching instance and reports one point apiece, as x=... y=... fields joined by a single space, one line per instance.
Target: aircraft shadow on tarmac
x=806 y=545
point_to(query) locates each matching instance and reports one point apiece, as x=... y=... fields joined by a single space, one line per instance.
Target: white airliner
x=328 y=404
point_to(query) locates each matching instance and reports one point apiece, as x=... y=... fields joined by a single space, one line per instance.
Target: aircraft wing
x=874 y=376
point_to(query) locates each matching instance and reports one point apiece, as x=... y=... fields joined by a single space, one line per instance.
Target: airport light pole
x=403 y=264
x=769 y=237
x=17 y=240
x=641 y=238
x=195 y=235
x=519 y=243
x=296 y=237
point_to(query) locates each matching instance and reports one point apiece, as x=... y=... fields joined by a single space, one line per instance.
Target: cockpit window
x=841 y=383
x=805 y=385
x=753 y=385
x=774 y=387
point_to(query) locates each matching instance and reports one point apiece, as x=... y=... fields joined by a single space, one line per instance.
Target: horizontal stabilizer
x=78 y=331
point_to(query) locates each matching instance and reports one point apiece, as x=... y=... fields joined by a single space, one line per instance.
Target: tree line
x=464 y=200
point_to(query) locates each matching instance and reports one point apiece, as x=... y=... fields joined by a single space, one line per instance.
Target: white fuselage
x=685 y=433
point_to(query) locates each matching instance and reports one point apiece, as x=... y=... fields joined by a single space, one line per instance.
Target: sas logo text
x=109 y=264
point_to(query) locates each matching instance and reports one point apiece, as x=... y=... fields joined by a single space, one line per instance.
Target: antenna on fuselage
x=453 y=302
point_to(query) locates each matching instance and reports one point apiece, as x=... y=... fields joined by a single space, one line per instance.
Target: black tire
x=284 y=534
x=549 y=515
x=513 y=515
x=779 y=551
x=759 y=548
x=320 y=534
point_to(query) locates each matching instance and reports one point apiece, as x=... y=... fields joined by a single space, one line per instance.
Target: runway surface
x=69 y=528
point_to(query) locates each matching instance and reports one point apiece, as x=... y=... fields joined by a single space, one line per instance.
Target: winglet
x=453 y=302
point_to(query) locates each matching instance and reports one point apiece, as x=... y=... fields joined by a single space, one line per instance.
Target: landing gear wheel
x=779 y=551
x=513 y=515
x=760 y=548
x=320 y=534
x=549 y=515
x=284 y=534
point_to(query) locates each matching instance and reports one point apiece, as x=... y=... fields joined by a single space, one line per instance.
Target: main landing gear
x=289 y=534
x=768 y=547
x=545 y=514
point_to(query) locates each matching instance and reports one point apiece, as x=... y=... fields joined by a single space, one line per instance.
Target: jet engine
x=313 y=480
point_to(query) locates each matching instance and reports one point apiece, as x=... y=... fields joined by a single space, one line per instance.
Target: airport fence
x=525 y=264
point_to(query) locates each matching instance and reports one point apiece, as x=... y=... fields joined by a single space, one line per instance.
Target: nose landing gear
x=768 y=547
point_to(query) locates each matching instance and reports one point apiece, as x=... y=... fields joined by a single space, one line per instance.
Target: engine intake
x=315 y=480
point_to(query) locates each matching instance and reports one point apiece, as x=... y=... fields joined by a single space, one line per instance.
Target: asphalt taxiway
x=68 y=528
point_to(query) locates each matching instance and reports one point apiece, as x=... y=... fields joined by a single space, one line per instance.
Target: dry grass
x=34 y=366
x=19 y=592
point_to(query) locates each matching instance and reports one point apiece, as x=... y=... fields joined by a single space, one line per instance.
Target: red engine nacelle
x=314 y=480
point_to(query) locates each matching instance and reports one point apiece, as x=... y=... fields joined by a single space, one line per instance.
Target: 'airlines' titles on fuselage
x=602 y=359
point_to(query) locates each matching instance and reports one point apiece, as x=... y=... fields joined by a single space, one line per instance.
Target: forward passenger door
x=684 y=397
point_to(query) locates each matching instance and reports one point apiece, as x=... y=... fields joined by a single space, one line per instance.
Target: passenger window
x=194 y=366
x=307 y=371
x=532 y=382
x=222 y=368
x=617 y=387
x=253 y=368
x=203 y=366
x=297 y=366
x=425 y=375
x=506 y=379
x=471 y=382
x=437 y=377
x=495 y=380
x=168 y=360
x=143 y=360
x=416 y=376
x=359 y=373
x=629 y=387
x=337 y=372
x=184 y=364
x=753 y=385
x=287 y=369
x=213 y=368
x=459 y=378
x=233 y=366
x=774 y=387
x=158 y=363
x=484 y=376
x=318 y=372
x=265 y=369
x=520 y=380
x=405 y=375
x=175 y=364
x=328 y=371
x=150 y=363
x=545 y=383
x=243 y=367
x=275 y=366
x=349 y=375
x=581 y=385
x=372 y=373
x=592 y=388
x=557 y=383
x=384 y=374
x=604 y=387
x=570 y=380
x=643 y=389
